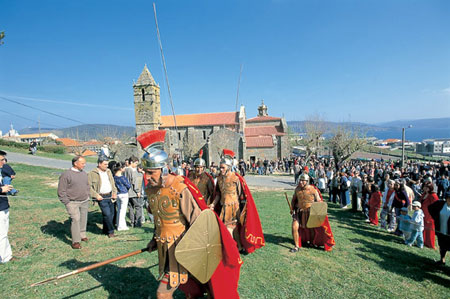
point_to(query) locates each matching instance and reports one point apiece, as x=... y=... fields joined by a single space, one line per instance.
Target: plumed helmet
x=152 y=142
x=199 y=161
x=227 y=157
x=304 y=177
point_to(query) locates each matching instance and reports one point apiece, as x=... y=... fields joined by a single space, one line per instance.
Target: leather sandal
x=294 y=250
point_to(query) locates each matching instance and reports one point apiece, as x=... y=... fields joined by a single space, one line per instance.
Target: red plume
x=200 y=154
x=227 y=152
x=148 y=138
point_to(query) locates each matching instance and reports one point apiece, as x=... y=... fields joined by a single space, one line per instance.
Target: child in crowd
x=374 y=204
x=322 y=183
x=404 y=222
x=123 y=185
x=417 y=225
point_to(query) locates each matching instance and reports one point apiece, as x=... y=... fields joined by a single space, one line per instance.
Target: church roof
x=145 y=78
x=263 y=118
x=68 y=142
x=264 y=130
x=201 y=119
x=259 y=141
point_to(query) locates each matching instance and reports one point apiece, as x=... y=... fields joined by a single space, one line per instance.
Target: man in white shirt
x=104 y=191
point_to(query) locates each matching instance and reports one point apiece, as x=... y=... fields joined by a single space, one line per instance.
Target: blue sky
x=368 y=61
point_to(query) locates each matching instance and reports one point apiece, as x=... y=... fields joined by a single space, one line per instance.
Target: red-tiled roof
x=262 y=141
x=263 y=118
x=392 y=140
x=264 y=130
x=68 y=142
x=88 y=153
x=203 y=119
x=93 y=142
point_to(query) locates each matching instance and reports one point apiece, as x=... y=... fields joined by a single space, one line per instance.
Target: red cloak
x=224 y=282
x=318 y=236
x=251 y=232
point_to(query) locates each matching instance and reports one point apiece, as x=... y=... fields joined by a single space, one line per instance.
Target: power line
x=50 y=113
x=16 y=115
x=68 y=103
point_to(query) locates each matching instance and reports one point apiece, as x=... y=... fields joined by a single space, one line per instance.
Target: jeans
x=334 y=195
x=344 y=198
x=136 y=204
x=391 y=219
x=416 y=235
x=107 y=207
x=7 y=181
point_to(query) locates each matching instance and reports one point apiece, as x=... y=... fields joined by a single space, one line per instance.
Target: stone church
x=261 y=137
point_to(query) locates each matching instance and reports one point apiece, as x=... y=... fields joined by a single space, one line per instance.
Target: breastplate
x=202 y=184
x=305 y=197
x=228 y=189
x=165 y=206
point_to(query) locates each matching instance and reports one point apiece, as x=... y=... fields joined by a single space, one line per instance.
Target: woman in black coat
x=440 y=211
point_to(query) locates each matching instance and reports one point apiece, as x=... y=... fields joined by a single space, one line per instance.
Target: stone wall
x=220 y=139
x=262 y=153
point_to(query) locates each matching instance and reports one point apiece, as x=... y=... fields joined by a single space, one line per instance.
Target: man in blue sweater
x=5 y=247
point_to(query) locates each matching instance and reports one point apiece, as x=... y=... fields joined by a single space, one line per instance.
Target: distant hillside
x=430 y=123
x=87 y=132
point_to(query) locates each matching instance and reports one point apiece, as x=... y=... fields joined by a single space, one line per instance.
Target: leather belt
x=105 y=194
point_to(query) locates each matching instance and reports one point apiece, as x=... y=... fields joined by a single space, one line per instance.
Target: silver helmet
x=152 y=143
x=154 y=158
x=227 y=157
x=304 y=177
x=199 y=162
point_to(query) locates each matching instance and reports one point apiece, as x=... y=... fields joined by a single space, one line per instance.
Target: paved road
x=254 y=181
x=42 y=161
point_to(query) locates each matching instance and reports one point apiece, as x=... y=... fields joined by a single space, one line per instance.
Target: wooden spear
x=289 y=203
x=90 y=267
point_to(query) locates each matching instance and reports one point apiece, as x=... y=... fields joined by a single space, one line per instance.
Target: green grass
x=39 y=153
x=365 y=263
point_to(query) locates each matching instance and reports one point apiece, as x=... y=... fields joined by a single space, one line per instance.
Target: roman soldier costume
x=310 y=224
x=176 y=204
x=235 y=205
x=204 y=181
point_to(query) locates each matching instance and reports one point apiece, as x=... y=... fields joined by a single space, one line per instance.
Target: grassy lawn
x=45 y=154
x=365 y=263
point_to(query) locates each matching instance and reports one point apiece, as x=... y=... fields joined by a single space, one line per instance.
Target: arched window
x=143 y=95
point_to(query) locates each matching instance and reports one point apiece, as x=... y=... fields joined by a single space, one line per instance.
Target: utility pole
x=39 y=128
x=403 y=144
x=239 y=84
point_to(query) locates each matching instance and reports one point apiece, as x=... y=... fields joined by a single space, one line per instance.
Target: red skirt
x=318 y=236
x=429 y=238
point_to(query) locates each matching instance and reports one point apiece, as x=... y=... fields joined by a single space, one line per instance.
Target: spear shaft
x=289 y=203
x=90 y=267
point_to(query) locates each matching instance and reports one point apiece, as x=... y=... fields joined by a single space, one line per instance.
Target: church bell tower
x=147 y=105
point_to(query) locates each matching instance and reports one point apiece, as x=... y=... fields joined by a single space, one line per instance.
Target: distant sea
x=412 y=134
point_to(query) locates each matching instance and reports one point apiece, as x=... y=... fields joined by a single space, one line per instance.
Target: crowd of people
x=406 y=201
x=412 y=202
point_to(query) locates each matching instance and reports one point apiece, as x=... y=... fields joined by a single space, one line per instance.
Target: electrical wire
x=50 y=113
x=16 y=115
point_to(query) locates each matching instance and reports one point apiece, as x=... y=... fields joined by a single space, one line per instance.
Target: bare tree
x=315 y=127
x=344 y=142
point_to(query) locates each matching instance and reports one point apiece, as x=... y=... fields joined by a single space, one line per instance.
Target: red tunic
x=374 y=206
x=428 y=232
